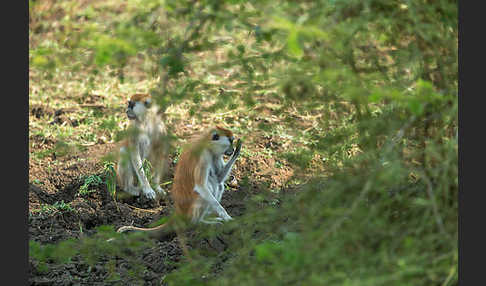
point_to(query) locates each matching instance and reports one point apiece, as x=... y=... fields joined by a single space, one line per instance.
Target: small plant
x=43 y=153
x=110 y=180
x=89 y=137
x=62 y=206
x=90 y=181
x=147 y=168
x=245 y=153
x=110 y=124
x=54 y=208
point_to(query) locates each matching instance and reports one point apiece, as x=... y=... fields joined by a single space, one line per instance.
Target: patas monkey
x=199 y=179
x=147 y=139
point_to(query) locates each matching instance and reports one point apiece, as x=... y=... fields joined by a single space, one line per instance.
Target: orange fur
x=189 y=172
x=224 y=131
x=139 y=97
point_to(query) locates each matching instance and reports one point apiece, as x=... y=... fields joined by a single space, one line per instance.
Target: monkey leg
x=157 y=177
x=136 y=163
x=210 y=200
x=126 y=174
x=211 y=220
x=159 y=162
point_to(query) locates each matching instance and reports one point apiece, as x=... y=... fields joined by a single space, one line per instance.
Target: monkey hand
x=148 y=192
x=237 y=149
x=160 y=190
x=224 y=216
x=227 y=218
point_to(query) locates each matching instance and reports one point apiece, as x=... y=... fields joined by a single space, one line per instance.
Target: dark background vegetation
x=348 y=113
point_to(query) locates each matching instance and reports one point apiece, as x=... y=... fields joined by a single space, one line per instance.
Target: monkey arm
x=206 y=195
x=137 y=165
x=223 y=174
x=227 y=167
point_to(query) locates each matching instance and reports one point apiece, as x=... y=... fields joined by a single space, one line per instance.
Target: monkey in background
x=147 y=140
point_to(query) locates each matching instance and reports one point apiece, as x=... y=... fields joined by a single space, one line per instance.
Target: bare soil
x=54 y=178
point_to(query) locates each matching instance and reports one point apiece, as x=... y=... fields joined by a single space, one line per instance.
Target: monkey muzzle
x=229 y=151
x=130 y=114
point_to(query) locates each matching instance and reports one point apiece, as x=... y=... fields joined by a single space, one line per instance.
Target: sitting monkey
x=147 y=139
x=199 y=181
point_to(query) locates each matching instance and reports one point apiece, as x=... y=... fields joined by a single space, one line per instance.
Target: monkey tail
x=159 y=231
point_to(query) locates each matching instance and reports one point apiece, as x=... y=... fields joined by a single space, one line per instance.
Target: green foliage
x=109 y=124
x=363 y=232
x=160 y=221
x=61 y=148
x=89 y=181
x=59 y=206
x=110 y=178
x=147 y=168
x=301 y=158
x=111 y=50
x=378 y=67
x=106 y=241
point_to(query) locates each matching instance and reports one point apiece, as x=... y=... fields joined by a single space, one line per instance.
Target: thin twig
x=338 y=223
x=450 y=276
x=92 y=105
x=430 y=193
x=116 y=205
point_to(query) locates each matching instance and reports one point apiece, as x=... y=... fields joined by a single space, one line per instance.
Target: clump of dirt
x=39 y=111
x=63 y=119
x=92 y=98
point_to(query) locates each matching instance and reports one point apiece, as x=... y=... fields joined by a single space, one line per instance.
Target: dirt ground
x=55 y=178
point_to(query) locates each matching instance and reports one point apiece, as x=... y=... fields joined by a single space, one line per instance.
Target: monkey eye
x=215 y=136
x=131 y=103
x=147 y=103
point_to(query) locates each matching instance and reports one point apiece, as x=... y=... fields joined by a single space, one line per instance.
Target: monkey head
x=138 y=105
x=222 y=141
